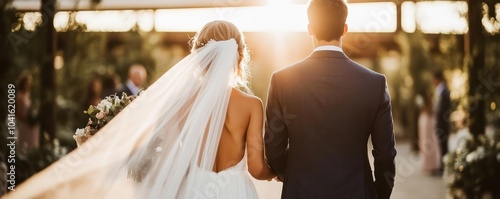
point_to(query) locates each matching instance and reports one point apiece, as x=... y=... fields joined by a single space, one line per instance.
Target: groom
x=320 y=114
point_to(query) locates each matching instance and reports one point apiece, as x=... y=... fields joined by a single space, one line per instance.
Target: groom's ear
x=345 y=30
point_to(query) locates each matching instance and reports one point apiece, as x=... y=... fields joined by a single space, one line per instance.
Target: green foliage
x=474 y=168
x=35 y=160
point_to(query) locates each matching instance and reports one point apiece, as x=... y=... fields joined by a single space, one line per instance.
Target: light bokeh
x=431 y=17
x=441 y=17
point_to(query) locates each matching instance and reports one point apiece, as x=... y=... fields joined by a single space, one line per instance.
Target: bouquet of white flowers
x=101 y=114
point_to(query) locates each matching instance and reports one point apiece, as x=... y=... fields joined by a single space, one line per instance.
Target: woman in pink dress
x=27 y=129
x=428 y=142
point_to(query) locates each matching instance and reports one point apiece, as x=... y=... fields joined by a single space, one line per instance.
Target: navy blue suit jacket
x=320 y=114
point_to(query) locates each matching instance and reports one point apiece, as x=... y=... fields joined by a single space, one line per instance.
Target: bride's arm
x=257 y=165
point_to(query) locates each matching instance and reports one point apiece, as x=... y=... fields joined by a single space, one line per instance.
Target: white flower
x=117 y=100
x=80 y=132
x=158 y=149
x=471 y=157
x=104 y=105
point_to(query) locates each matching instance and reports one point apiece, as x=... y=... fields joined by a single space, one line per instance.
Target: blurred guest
x=430 y=152
x=136 y=78
x=442 y=111
x=94 y=94
x=26 y=123
x=111 y=84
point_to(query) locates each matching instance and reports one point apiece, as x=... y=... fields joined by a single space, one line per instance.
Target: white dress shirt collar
x=440 y=88
x=328 y=47
x=134 y=89
x=437 y=94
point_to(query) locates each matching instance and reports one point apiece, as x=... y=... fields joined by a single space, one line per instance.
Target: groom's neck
x=318 y=43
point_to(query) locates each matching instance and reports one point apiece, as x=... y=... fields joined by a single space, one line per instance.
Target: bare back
x=243 y=129
x=233 y=138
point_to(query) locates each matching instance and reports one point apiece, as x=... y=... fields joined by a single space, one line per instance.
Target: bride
x=184 y=137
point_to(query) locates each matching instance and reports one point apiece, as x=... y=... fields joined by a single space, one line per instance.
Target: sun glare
x=249 y=19
x=434 y=17
x=145 y=20
x=441 y=17
x=408 y=22
x=372 y=17
x=99 y=21
x=31 y=20
x=278 y=3
x=277 y=16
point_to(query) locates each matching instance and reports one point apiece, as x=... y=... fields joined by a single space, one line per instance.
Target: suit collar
x=327 y=54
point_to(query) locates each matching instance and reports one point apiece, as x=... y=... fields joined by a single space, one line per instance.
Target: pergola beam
x=32 y=5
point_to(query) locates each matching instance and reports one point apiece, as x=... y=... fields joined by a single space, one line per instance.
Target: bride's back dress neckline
x=240 y=165
x=233 y=180
x=232 y=142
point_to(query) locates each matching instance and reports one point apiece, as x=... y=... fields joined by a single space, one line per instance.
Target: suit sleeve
x=443 y=108
x=383 y=142
x=276 y=134
x=443 y=120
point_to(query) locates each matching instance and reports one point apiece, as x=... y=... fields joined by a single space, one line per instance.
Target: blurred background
x=68 y=54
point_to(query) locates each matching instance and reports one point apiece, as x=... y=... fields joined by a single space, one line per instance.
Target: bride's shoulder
x=246 y=99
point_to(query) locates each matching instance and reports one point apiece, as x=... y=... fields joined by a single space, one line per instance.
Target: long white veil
x=155 y=146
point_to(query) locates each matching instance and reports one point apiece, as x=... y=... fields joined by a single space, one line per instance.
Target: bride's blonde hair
x=223 y=30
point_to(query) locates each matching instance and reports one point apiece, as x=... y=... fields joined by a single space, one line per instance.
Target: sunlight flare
x=277 y=16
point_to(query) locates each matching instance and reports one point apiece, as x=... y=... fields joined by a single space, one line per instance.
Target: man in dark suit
x=442 y=104
x=136 y=78
x=320 y=114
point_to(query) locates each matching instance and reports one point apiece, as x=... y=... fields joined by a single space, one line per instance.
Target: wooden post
x=475 y=54
x=398 y=16
x=47 y=72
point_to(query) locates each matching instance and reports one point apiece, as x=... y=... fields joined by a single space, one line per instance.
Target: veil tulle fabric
x=162 y=139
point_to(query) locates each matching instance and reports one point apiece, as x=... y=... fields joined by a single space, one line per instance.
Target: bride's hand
x=277 y=179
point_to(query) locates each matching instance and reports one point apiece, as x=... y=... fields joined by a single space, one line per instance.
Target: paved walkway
x=410 y=182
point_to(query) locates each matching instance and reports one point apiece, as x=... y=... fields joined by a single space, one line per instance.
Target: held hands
x=275 y=178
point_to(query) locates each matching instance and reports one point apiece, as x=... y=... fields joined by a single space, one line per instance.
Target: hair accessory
x=209 y=42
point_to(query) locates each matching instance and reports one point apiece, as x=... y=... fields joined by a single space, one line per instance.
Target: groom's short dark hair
x=327 y=18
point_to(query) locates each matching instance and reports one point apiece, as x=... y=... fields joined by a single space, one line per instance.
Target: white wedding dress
x=162 y=145
x=231 y=183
